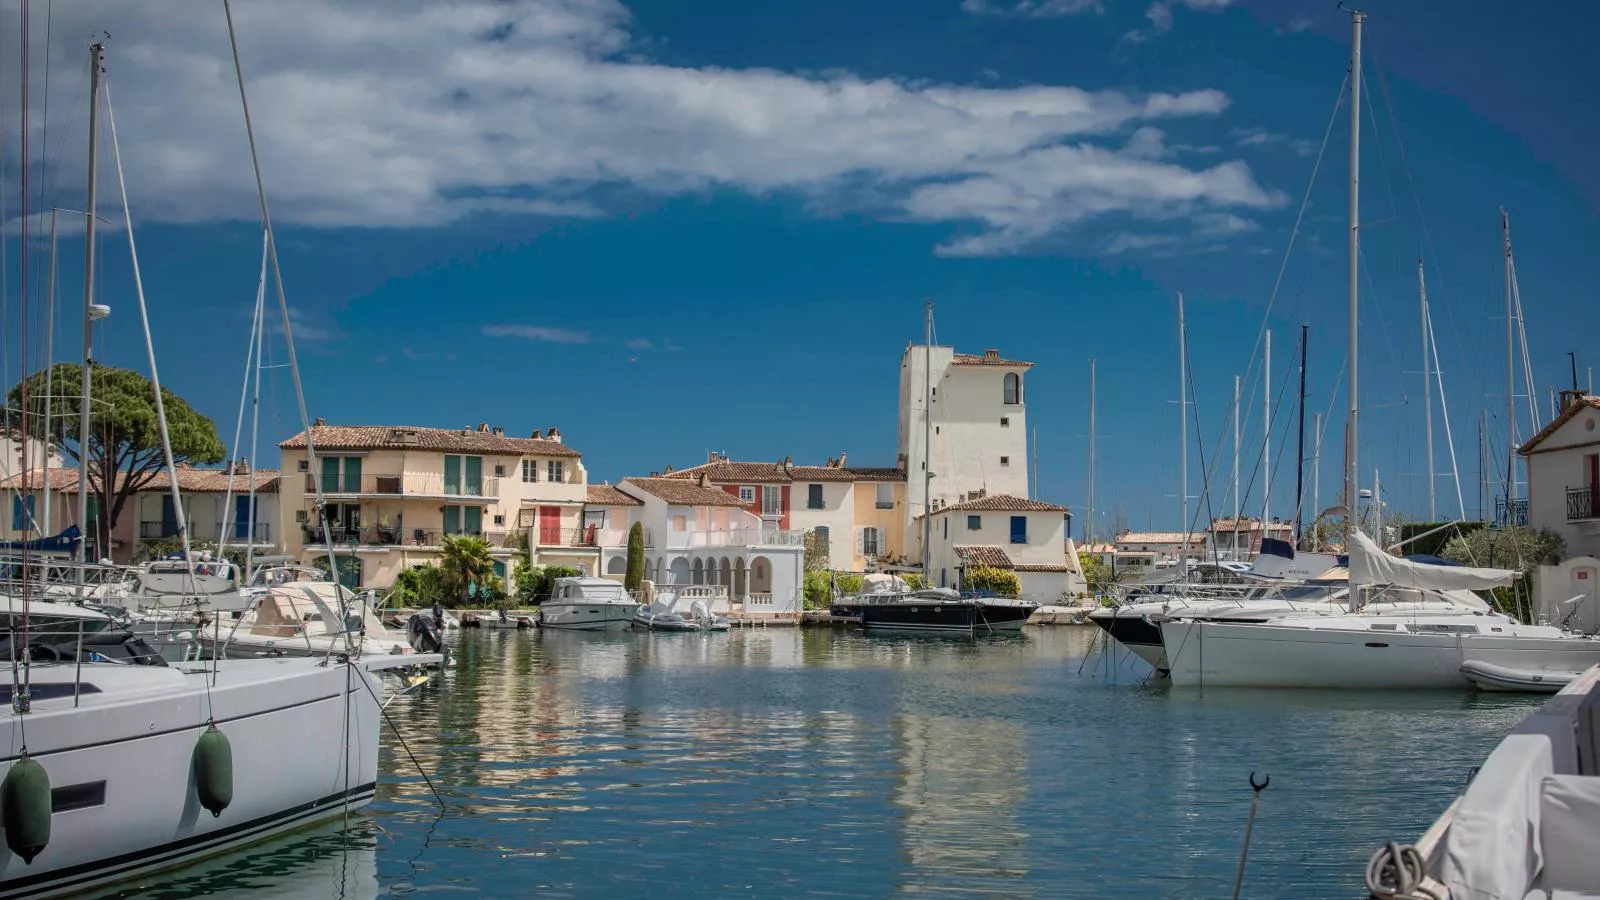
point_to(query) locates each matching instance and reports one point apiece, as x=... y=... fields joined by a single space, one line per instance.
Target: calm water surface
x=786 y=763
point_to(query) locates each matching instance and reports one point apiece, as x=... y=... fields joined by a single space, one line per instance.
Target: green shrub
x=999 y=582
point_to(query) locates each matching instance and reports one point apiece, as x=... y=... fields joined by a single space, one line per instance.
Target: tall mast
x=1427 y=391
x=96 y=52
x=1300 y=446
x=927 y=445
x=49 y=372
x=1316 y=466
x=1266 y=433
x=1236 y=497
x=1089 y=530
x=1350 y=429
x=1511 y=383
x=1183 y=430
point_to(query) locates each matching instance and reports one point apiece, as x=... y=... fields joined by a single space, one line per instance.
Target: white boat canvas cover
x=1370 y=565
x=883 y=583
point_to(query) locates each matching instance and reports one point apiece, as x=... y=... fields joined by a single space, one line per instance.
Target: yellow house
x=392 y=493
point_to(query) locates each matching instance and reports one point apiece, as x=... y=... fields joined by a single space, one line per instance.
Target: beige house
x=1564 y=496
x=857 y=511
x=393 y=493
x=1028 y=537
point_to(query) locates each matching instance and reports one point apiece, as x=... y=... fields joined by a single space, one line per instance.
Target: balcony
x=402 y=486
x=1583 y=503
x=1508 y=513
x=738 y=537
x=155 y=531
x=567 y=537
x=618 y=537
x=381 y=536
x=255 y=533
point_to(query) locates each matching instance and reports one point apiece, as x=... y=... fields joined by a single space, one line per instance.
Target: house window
x=530 y=471
x=885 y=496
x=821 y=537
x=869 y=542
x=1005 y=421
x=942 y=578
x=22 y=512
x=814 y=496
x=1005 y=460
x=499 y=520
x=974 y=523
x=304 y=465
x=680 y=523
x=500 y=471
x=771 y=500
x=1013 y=389
x=556 y=471
x=1019 y=529
x=747 y=494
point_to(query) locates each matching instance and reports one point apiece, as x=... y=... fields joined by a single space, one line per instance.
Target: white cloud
x=405 y=113
x=1261 y=137
x=539 y=333
x=1160 y=15
x=637 y=344
x=1033 y=9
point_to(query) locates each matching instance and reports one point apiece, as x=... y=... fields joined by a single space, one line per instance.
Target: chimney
x=242 y=466
x=899 y=460
x=318 y=422
x=991 y=356
x=555 y=434
x=711 y=456
x=1571 y=398
x=669 y=468
x=483 y=427
x=535 y=435
x=704 y=480
x=841 y=459
x=499 y=432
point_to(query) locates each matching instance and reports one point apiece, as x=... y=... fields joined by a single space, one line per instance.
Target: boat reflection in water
x=319 y=862
x=962 y=783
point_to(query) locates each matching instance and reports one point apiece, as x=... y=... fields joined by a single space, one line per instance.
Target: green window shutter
x=330 y=474
x=452 y=520
x=472 y=519
x=452 y=474
x=474 y=479
x=500 y=569
x=352 y=473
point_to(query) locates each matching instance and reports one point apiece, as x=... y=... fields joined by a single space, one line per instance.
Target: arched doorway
x=761 y=575
x=699 y=572
x=740 y=582
x=680 y=571
x=617 y=566
x=725 y=577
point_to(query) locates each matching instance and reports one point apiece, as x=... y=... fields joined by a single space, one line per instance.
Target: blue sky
x=666 y=227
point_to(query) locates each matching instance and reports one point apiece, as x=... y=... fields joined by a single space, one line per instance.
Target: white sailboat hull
x=128 y=751
x=587 y=615
x=1237 y=655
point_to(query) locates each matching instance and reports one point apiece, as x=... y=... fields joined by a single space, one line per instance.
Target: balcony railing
x=257 y=532
x=1510 y=512
x=153 y=531
x=618 y=537
x=403 y=486
x=739 y=537
x=1583 y=503
x=566 y=537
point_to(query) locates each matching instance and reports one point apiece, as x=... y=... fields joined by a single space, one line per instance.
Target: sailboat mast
x=1316 y=465
x=1236 y=498
x=1300 y=445
x=927 y=445
x=96 y=60
x=1183 y=429
x=45 y=528
x=1266 y=434
x=1511 y=381
x=1089 y=530
x=1350 y=429
x=1427 y=392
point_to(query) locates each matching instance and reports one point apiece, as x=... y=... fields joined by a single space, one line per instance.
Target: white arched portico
x=617 y=566
x=761 y=575
x=680 y=571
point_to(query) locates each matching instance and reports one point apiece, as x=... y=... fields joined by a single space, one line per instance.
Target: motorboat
x=663 y=614
x=298 y=618
x=129 y=769
x=587 y=604
x=1525 y=825
x=943 y=609
x=1414 y=625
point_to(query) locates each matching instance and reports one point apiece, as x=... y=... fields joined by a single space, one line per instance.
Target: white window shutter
x=861 y=539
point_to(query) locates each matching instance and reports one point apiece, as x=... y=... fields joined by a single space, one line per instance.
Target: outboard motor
x=423 y=636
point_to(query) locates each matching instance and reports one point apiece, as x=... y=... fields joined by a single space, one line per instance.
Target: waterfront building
x=393 y=493
x=1564 y=496
x=1241 y=539
x=1151 y=549
x=696 y=533
x=853 y=513
x=1028 y=537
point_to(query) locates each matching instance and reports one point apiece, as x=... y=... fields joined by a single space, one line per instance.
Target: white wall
x=837 y=515
x=1046 y=540
x=1558 y=465
x=1555 y=585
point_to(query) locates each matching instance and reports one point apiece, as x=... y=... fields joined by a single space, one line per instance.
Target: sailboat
x=114 y=770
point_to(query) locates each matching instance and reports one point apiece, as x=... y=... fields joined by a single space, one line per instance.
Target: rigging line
x=1422 y=220
x=1294 y=233
x=1383 y=159
x=1450 y=440
x=244 y=393
x=1383 y=326
x=1200 y=446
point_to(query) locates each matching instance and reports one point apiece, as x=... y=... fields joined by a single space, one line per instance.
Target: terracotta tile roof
x=1567 y=415
x=733 y=472
x=979 y=555
x=608 y=495
x=1001 y=503
x=190 y=480
x=447 y=440
x=684 y=492
x=1160 y=537
x=1097 y=548
x=988 y=358
x=1044 y=567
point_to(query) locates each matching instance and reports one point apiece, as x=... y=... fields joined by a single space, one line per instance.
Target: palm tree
x=465 y=562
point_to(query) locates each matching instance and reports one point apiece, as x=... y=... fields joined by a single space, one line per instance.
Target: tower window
x=1005 y=421
x=1012 y=388
x=1005 y=460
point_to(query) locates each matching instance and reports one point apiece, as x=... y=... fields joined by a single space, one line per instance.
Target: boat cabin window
x=1443 y=628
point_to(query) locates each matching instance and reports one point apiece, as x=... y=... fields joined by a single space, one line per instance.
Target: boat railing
x=47 y=637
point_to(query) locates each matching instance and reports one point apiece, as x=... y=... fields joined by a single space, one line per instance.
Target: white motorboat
x=299 y=618
x=108 y=787
x=662 y=614
x=1525 y=826
x=1419 y=625
x=587 y=604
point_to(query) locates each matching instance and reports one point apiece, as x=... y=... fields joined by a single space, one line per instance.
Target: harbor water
x=826 y=763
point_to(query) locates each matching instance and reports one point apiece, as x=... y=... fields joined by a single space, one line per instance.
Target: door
x=169 y=516
x=1019 y=529
x=473 y=466
x=352 y=474
x=452 y=475
x=472 y=519
x=452 y=520
x=243 y=518
x=330 y=474
x=550 y=526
